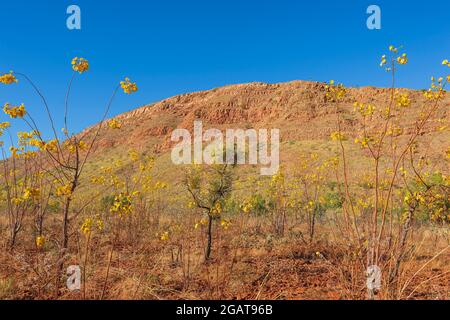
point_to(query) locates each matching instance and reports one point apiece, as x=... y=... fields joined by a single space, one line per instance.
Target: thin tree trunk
x=209 y=244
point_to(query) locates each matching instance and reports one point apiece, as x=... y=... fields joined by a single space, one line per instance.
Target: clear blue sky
x=176 y=46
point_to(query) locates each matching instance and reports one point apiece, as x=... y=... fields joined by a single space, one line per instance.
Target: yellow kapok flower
x=335 y=93
x=133 y=154
x=364 y=142
x=40 y=241
x=64 y=190
x=225 y=224
x=86 y=226
x=337 y=136
x=8 y=78
x=80 y=65
x=403 y=59
x=165 y=236
x=160 y=185
x=202 y=222
x=72 y=147
x=5 y=125
x=31 y=193
x=15 y=111
x=393 y=49
x=122 y=204
x=51 y=145
x=128 y=86
x=114 y=124
x=100 y=224
x=216 y=210
x=446 y=63
x=15 y=151
x=364 y=109
x=403 y=101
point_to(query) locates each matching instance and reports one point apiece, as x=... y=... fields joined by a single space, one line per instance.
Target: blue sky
x=176 y=46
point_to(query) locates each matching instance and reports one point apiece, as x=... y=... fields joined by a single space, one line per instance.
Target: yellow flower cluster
x=114 y=124
x=80 y=65
x=277 y=179
x=403 y=59
x=122 y=204
x=436 y=90
x=225 y=224
x=446 y=63
x=202 y=222
x=73 y=147
x=383 y=60
x=51 y=145
x=393 y=49
x=160 y=185
x=90 y=223
x=165 y=236
x=403 y=101
x=128 y=86
x=335 y=93
x=28 y=194
x=246 y=207
x=216 y=211
x=14 y=111
x=40 y=241
x=31 y=193
x=133 y=154
x=364 y=142
x=400 y=59
x=64 y=190
x=416 y=196
x=15 y=151
x=8 y=78
x=364 y=109
x=337 y=136
x=4 y=125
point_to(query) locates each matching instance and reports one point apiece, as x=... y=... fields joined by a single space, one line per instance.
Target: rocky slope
x=299 y=109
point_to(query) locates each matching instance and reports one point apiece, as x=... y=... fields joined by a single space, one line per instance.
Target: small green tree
x=209 y=187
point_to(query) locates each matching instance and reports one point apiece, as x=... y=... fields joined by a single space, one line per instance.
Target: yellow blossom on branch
x=8 y=78
x=14 y=111
x=80 y=65
x=73 y=147
x=5 y=125
x=128 y=86
x=337 y=136
x=86 y=226
x=31 y=193
x=64 y=190
x=122 y=205
x=225 y=224
x=40 y=241
x=403 y=59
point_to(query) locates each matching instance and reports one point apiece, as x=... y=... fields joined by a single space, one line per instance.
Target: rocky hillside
x=299 y=109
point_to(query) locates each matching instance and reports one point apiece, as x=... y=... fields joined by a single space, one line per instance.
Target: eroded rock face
x=298 y=108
